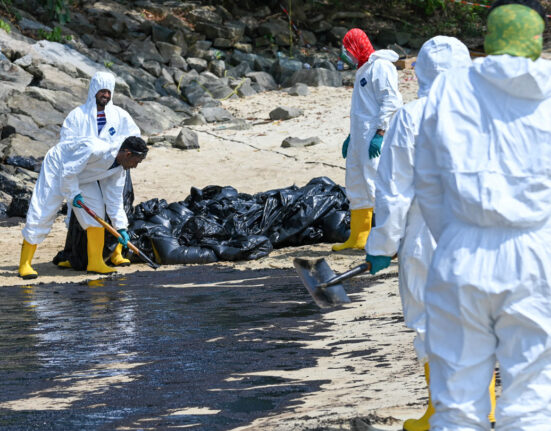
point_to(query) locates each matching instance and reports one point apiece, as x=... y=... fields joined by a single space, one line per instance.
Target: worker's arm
x=72 y=126
x=112 y=189
x=394 y=186
x=385 y=88
x=427 y=179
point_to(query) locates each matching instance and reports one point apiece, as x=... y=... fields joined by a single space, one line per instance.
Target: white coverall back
x=70 y=168
x=374 y=99
x=400 y=225
x=483 y=182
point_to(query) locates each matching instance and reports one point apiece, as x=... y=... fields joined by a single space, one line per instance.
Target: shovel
x=112 y=230
x=323 y=284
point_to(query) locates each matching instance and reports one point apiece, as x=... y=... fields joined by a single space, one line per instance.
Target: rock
x=173 y=22
x=251 y=25
x=315 y=78
x=231 y=30
x=263 y=64
x=202 y=45
x=168 y=50
x=111 y=26
x=284 y=113
x=416 y=42
x=152 y=67
x=13 y=76
x=5 y=201
x=12 y=183
x=178 y=62
x=298 y=89
x=160 y=33
x=186 y=140
x=386 y=36
x=216 y=114
x=106 y=44
x=195 y=120
x=197 y=64
x=222 y=43
x=348 y=78
x=275 y=29
x=156 y=139
x=218 y=89
x=42 y=113
x=60 y=56
x=206 y=14
x=321 y=27
x=291 y=142
x=264 y=80
x=176 y=104
x=240 y=70
x=336 y=34
x=237 y=124
x=284 y=68
x=140 y=51
x=247 y=48
x=51 y=78
x=62 y=101
x=239 y=57
x=141 y=83
x=218 y=67
x=19 y=145
x=150 y=116
x=32 y=26
x=325 y=64
x=245 y=89
x=309 y=37
x=24 y=125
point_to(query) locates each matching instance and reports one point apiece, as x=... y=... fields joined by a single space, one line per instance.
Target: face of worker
x=129 y=160
x=103 y=97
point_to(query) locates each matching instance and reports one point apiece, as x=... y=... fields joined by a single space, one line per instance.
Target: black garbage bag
x=242 y=248
x=19 y=205
x=169 y=251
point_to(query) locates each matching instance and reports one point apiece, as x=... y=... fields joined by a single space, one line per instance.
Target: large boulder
x=152 y=117
x=51 y=78
x=25 y=126
x=42 y=112
x=13 y=76
x=140 y=51
x=277 y=30
x=19 y=145
x=315 y=78
x=263 y=80
x=284 y=68
x=141 y=83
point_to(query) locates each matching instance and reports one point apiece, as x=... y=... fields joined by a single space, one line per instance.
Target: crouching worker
x=88 y=170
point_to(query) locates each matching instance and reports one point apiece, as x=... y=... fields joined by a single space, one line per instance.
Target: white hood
x=518 y=76
x=101 y=81
x=438 y=55
x=385 y=54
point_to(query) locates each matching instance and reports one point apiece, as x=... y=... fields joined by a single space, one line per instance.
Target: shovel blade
x=313 y=273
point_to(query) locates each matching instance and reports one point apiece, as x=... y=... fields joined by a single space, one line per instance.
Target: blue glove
x=76 y=199
x=345 y=147
x=124 y=238
x=375 y=146
x=377 y=262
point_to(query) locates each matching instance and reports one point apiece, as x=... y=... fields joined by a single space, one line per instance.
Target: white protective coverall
x=82 y=122
x=71 y=167
x=400 y=225
x=374 y=99
x=483 y=182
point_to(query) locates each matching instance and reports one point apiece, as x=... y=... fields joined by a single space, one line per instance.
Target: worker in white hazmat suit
x=374 y=99
x=483 y=183
x=400 y=225
x=99 y=117
x=89 y=170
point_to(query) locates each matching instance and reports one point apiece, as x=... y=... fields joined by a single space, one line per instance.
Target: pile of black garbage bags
x=219 y=223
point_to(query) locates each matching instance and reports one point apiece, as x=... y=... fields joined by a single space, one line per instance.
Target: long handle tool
x=323 y=284
x=112 y=230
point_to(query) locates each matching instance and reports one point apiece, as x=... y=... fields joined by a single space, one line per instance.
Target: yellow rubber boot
x=96 y=238
x=26 y=272
x=64 y=264
x=422 y=424
x=492 y=415
x=117 y=259
x=360 y=226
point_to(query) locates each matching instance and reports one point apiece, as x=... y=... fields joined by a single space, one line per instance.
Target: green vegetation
x=5 y=26
x=58 y=10
x=54 y=36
